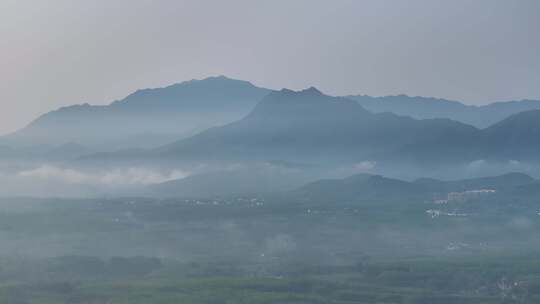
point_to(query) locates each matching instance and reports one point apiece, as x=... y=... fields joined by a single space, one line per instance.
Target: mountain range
x=300 y=126
x=427 y=107
x=249 y=139
x=145 y=118
x=375 y=187
x=308 y=126
x=152 y=117
x=355 y=188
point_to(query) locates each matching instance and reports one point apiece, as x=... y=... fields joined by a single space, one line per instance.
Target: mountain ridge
x=365 y=186
x=165 y=113
x=154 y=117
x=419 y=107
x=308 y=123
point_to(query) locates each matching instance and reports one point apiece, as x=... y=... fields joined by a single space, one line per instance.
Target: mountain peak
x=524 y=120
x=306 y=103
x=219 y=79
x=210 y=91
x=312 y=90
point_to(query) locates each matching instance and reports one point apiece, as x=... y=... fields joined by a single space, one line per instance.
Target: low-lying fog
x=53 y=179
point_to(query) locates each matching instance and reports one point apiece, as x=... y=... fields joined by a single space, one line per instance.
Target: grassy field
x=419 y=280
x=266 y=250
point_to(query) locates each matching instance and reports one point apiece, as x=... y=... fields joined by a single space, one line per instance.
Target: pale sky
x=61 y=52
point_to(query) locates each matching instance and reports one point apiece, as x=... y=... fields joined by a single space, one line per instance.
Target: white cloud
x=364 y=167
x=514 y=162
x=476 y=164
x=142 y=176
x=116 y=177
x=47 y=172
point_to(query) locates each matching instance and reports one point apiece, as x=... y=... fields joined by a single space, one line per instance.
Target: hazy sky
x=61 y=52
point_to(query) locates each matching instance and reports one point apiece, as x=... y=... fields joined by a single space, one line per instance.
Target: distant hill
x=376 y=187
x=146 y=118
x=308 y=125
x=247 y=179
x=516 y=137
x=67 y=151
x=360 y=186
x=424 y=108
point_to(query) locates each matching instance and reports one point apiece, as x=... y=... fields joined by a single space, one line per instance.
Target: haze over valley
x=228 y=152
x=219 y=127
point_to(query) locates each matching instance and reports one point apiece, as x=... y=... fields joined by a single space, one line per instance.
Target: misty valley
x=219 y=191
x=326 y=242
